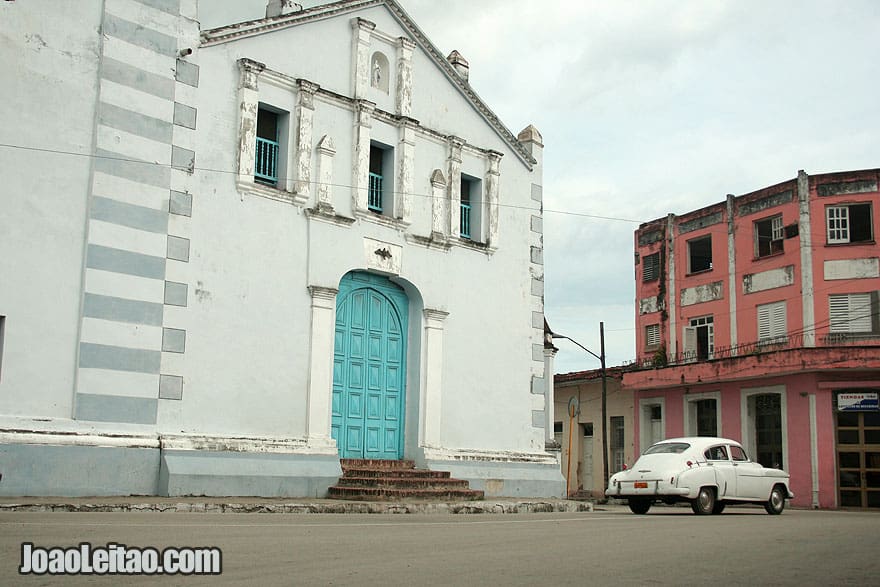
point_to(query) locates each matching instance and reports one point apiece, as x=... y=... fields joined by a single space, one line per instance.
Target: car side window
x=738 y=454
x=716 y=453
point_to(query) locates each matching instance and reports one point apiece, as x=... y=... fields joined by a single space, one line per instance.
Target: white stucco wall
x=44 y=196
x=254 y=257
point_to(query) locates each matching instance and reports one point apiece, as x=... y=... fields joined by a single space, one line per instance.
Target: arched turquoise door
x=369 y=367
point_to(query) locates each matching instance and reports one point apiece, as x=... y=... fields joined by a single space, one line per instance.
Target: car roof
x=701 y=442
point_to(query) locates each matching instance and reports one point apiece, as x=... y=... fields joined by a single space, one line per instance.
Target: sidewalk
x=281 y=505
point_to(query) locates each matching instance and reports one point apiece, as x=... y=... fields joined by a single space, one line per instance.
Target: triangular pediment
x=263 y=26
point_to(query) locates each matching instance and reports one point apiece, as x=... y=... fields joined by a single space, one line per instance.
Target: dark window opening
x=769 y=236
x=849 y=224
x=588 y=429
x=707 y=417
x=700 y=254
x=465 y=222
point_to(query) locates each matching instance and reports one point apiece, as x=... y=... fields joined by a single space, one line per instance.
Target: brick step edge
x=304 y=507
x=381 y=493
x=376 y=464
x=396 y=473
x=403 y=483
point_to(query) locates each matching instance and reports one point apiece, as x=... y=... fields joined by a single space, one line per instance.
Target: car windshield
x=668 y=448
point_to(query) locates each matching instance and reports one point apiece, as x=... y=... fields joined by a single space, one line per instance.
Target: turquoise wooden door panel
x=369 y=368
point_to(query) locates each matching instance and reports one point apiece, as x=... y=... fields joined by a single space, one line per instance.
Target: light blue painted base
x=499 y=479
x=77 y=471
x=188 y=472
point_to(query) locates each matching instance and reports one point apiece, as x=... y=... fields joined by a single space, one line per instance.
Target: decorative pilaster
x=454 y=186
x=549 y=398
x=432 y=383
x=326 y=152
x=492 y=205
x=362 y=31
x=320 y=384
x=806 y=237
x=406 y=162
x=404 y=75
x=248 y=101
x=305 y=114
x=438 y=200
x=361 y=168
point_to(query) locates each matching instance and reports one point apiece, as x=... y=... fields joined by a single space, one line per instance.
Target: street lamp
x=601 y=358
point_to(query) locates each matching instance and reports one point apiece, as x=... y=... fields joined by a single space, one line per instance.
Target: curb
x=359 y=507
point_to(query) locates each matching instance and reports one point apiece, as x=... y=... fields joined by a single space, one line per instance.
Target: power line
x=290 y=181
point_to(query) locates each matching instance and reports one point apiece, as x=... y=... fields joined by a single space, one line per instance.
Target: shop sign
x=857 y=402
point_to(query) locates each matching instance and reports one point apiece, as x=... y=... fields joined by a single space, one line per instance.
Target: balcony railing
x=374 y=200
x=266 y=165
x=790 y=341
x=465 y=228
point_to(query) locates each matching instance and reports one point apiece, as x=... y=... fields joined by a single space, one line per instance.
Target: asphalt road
x=669 y=546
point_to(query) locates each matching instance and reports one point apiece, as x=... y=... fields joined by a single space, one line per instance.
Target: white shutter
x=652 y=335
x=772 y=321
x=689 y=340
x=850 y=312
x=777 y=233
x=763 y=322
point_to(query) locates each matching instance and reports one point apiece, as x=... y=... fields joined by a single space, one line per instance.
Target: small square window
x=700 y=254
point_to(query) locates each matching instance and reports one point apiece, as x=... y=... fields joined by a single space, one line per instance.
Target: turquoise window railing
x=465 y=225
x=374 y=201
x=266 y=167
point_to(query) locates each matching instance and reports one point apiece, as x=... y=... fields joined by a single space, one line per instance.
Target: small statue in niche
x=377 y=74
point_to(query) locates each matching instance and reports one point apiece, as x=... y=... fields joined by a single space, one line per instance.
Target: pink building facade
x=758 y=319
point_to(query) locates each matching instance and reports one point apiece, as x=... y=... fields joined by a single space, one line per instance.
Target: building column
x=320 y=381
x=432 y=382
x=807 y=295
x=549 y=399
x=406 y=163
x=671 y=293
x=363 y=32
x=732 y=281
x=361 y=168
x=248 y=101
x=492 y=207
x=302 y=158
x=453 y=186
x=404 y=75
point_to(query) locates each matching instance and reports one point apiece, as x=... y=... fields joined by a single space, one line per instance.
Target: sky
x=651 y=107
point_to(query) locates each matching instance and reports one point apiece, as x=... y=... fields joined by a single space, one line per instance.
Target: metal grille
x=374 y=202
x=266 y=165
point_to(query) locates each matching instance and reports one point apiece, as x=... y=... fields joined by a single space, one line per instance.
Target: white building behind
x=231 y=257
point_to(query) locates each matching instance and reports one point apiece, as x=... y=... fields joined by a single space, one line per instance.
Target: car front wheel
x=639 y=506
x=705 y=502
x=776 y=503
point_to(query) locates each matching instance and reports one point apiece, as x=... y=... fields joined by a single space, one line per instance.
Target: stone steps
x=379 y=480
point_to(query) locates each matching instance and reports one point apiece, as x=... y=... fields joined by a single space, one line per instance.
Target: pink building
x=758 y=319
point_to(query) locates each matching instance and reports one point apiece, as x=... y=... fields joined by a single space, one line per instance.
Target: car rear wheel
x=776 y=503
x=639 y=506
x=705 y=502
x=719 y=507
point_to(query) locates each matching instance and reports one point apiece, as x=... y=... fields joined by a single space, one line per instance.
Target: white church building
x=230 y=258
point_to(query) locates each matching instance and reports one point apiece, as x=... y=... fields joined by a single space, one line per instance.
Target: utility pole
x=604 y=404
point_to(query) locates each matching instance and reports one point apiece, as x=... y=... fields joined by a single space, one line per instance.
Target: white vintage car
x=707 y=472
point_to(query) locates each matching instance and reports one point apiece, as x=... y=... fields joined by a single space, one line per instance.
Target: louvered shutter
x=850 y=312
